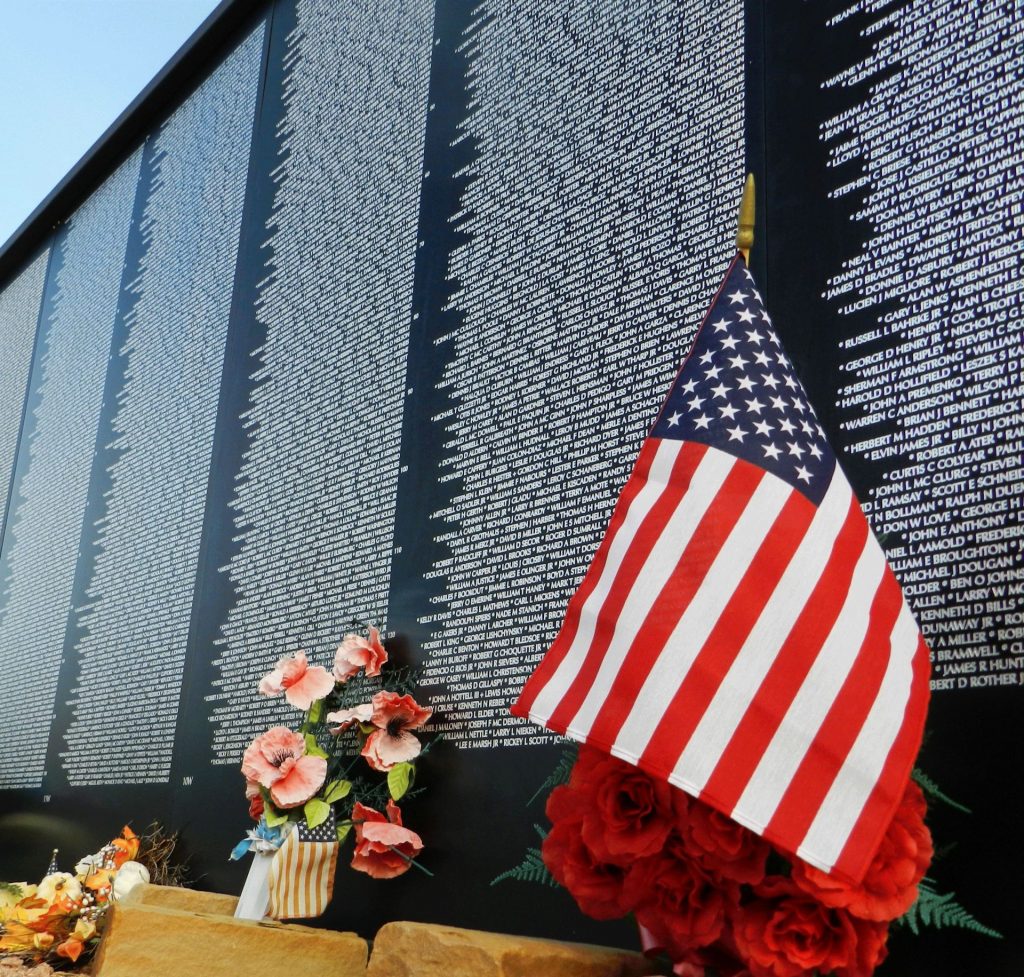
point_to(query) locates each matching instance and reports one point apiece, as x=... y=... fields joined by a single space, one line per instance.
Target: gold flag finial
x=745 y=231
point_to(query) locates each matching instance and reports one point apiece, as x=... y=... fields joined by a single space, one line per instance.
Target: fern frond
x=560 y=775
x=932 y=790
x=12 y=889
x=531 y=868
x=940 y=910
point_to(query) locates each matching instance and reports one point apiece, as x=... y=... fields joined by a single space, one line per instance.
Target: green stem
x=411 y=861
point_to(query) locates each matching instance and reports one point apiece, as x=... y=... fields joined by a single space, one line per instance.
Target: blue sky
x=68 y=68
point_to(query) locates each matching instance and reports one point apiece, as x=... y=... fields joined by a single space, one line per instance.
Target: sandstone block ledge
x=154 y=941
x=428 y=950
x=158 y=931
x=189 y=900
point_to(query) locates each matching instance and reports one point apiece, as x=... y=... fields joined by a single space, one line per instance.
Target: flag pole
x=745 y=230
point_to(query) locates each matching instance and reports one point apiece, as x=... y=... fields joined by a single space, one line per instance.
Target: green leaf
x=560 y=775
x=313 y=747
x=343 y=830
x=273 y=816
x=940 y=910
x=400 y=778
x=932 y=790
x=315 y=712
x=316 y=811
x=336 y=790
x=531 y=868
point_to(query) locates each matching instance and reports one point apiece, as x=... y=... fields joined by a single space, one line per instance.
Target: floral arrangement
x=715 y=897
x=359 y=714
x=59 y=920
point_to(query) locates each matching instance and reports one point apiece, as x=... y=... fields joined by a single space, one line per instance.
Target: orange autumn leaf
x=85 y=929
x=71 y=948
x=127 y=846
x=102 y=878
x=16 y=937
x=55 y=920
x=32 y=902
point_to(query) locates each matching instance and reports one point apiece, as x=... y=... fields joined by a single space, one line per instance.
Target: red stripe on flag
x=700 y=552
x=787 y=672
x=874 y=819
x=563 y=642
x=841 y=725
x=644 y=540
x=723 y=644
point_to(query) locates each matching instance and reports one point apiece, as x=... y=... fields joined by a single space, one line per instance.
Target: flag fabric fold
x=739 y=632
x=301 y=878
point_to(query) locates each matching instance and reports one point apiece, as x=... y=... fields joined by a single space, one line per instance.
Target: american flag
x=301 y=880
x=739 y=632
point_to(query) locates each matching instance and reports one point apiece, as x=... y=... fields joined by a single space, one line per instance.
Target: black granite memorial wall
x=370 y=322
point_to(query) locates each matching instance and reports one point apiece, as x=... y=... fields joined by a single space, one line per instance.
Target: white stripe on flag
x=657 y=479
x=292 y=903
x=278 y=874
x=862 y=768
x=744 y=679
x=663 y=559
x=702 y=614
x=812 y=702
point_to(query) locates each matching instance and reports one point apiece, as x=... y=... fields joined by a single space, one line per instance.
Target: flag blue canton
x=738 y=392
x=325 y=831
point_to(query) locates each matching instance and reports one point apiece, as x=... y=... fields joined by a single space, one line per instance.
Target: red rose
x=889 y=887
x=724 y=847
x=786 y=933
x=626 y=814
x=870 y=948
x=679 y=903
x=598 y=887
x=256 y=807
x=564 y=804
x=719 y=958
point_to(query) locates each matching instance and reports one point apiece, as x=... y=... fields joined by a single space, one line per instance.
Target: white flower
x=58 y=885
x=88 y=865
x=129 y=875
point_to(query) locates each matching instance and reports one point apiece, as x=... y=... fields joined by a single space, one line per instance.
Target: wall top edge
x=172 y=84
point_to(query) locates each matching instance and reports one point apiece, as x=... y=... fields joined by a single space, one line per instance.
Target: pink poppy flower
x=356 y=652
x=301 y=683
x=392 y=742
x=341 y=720
x=383 y=848
x=278 y=761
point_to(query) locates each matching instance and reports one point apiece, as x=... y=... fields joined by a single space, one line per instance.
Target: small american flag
x=301 y=879
x=739 y=631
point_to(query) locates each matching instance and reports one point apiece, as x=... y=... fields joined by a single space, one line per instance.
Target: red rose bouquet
x=715 y=897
